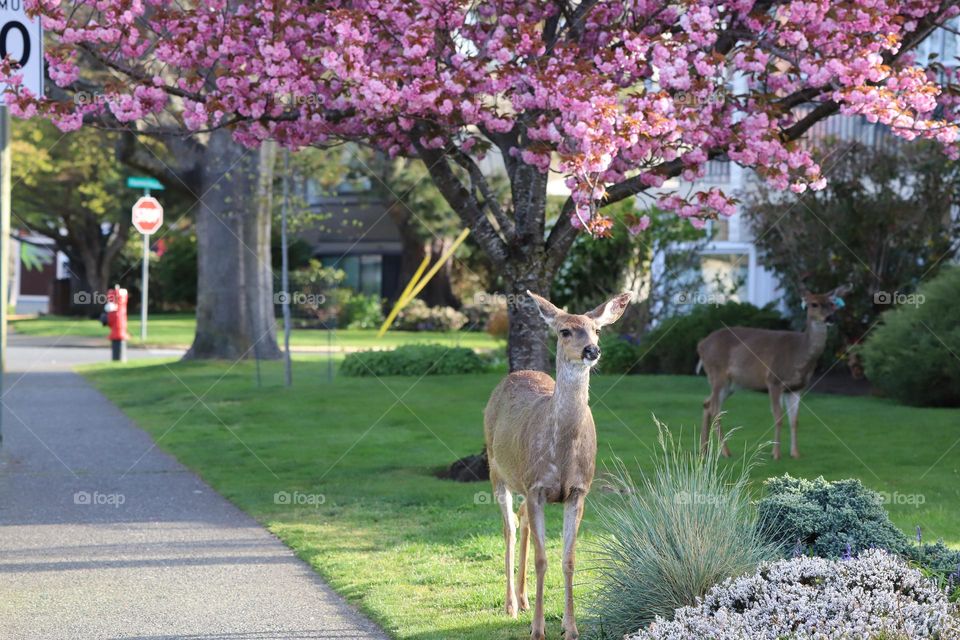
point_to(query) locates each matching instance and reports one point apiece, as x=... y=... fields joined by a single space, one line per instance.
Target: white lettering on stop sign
x=147 y=215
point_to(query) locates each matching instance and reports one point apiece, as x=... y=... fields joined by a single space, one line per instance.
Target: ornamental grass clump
x=687 y=525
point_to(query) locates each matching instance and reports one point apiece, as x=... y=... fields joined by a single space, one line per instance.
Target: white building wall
x=762 y=286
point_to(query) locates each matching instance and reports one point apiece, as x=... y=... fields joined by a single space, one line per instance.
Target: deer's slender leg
x=505 y=499
x=711 y=405
x=705 y=427
x=522 y=602
x=572 y=513
x=777 y=410
x=538 y=529
x=719 y=392
x=793 y=413
x=725 y=392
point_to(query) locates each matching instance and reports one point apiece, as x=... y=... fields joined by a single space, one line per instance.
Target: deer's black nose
x=591 y=352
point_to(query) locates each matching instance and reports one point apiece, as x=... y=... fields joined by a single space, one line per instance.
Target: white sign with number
x=21 y=38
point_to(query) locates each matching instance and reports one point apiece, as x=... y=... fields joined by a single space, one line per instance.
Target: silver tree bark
x=235 y=314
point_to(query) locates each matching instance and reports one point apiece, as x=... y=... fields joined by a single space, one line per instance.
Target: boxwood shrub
x=911 y=355
x=413 y=360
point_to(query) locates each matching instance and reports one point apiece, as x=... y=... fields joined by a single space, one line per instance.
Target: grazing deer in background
x=542 y=444
x=778 y=362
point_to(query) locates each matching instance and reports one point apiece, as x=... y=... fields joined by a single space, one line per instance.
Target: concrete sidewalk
x=103 y=535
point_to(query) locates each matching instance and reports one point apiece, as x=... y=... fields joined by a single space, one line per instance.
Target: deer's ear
x=610 y=311
x=841 y=291
x=546 y=308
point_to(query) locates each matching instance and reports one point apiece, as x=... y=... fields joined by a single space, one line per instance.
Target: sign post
x=21 y=38
x=147 y=218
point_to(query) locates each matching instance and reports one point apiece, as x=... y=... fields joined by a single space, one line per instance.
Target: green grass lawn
x=178 y=329
x=423 y=556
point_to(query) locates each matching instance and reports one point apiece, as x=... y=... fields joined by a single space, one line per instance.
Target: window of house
x=725 y=274
x=364 y=273
x=371 y=272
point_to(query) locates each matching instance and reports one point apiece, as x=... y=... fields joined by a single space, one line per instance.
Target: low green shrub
x=417 y=316
x=482 y=308
x=358 y=310
x=911 y=355
x=828 y=519
x=836 y=519
x=620 y=354
x=672 y=346
x=941 y=563
x=413 y=360
x=666 y=541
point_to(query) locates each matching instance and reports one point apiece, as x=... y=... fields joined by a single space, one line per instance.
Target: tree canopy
x=617 y=96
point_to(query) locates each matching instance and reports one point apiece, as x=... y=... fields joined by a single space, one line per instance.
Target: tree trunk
x=528 y=346
x=527 y=268
x=235 y=316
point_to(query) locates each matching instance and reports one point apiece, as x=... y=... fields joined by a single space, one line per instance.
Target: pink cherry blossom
x=632 y=94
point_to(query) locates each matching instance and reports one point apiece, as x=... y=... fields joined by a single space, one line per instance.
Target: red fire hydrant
x=116 y=310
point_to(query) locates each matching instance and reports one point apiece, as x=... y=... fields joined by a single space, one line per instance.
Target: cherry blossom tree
x=615 y=96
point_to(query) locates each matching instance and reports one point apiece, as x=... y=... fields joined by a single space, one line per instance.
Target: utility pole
x=285 y=269
x=5 y=172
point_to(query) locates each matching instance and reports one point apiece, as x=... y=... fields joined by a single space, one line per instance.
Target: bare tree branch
x=462 y=201
x=479 y=184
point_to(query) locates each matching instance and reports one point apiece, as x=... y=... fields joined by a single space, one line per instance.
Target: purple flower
x=919 y=534
x=848 y=553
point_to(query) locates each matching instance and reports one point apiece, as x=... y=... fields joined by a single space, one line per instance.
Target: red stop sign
x=147 y=215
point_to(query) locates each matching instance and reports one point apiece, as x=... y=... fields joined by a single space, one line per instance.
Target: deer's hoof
x=570 y=634
x=776 y=455
x=511 y=609
x=537 y=635
x=523 y=603
x=794 y=454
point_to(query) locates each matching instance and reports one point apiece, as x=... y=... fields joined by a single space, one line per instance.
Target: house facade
x=729 y=260
x=37 y=275
x=355 y=233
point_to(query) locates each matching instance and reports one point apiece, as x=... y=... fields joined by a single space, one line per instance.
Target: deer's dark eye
x=565 y=333
x=814 y=305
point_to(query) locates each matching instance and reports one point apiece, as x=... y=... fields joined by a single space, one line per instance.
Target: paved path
x=174 y=560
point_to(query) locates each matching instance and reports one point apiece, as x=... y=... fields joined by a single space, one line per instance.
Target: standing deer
x=542 y=444
x=779 y=362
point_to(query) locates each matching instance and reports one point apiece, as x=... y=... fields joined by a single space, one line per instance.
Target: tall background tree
x=70 y=189
x=884 y=223
x=617 y=97
x=231 y=188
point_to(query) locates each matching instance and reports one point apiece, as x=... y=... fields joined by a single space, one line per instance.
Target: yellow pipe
x=400 y=303
x=414 y=279
x=436 y=267
x=423 y=281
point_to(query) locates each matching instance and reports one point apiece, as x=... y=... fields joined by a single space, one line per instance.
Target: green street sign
x=144 y=182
